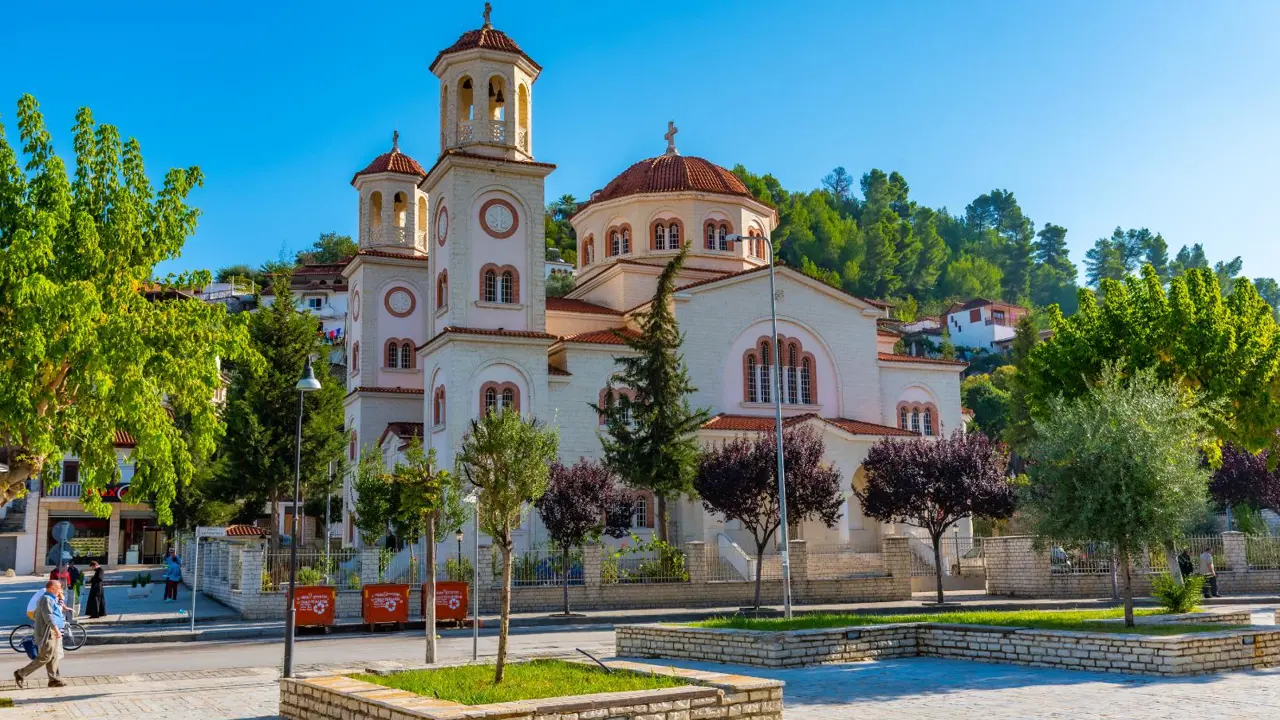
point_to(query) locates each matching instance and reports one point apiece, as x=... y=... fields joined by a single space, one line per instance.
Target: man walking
x=48 y=636
x=1210 y=574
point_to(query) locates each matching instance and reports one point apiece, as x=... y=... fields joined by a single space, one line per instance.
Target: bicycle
x=73 y=635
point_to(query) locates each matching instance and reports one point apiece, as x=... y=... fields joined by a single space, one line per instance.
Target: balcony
x=485 y=131
x=71 y=491
x=1001 y=321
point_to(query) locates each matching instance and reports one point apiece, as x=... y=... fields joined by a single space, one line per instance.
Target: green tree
x=1019 y=430
x=236 y=272
x=839 y=183
x=374 y=499
x=1051 y=248
x=559 y=285
x=262 y=410
x=1269 y=290
x=1119 y=463
x=420 y=489
x=1225 y=348
x=1227 y=272
x=1188 y=258
x=970 y=276
x=990 y=404
x=508 y=460
x=89 y=343
x=650 y=438
x=330 y=247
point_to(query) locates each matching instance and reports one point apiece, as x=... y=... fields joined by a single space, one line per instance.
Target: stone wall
x=1187 y=654
x=708 y=695
x=1015 y=568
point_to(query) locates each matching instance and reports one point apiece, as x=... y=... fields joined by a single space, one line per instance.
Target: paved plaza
x=915 y=689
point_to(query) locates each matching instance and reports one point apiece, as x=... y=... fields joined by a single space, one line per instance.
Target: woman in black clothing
x=97 y=605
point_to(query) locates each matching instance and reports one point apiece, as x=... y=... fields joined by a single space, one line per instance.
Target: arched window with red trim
x=499 y=397
x=438 y=407
x=442 y=289
x=797 y=373
x=406 y=355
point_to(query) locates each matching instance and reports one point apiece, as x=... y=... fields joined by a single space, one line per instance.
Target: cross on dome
x=395 y=139
x=671 y=137
x=488 y=10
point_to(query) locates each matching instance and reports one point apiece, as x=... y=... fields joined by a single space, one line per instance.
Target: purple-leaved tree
x=582 y=502
x=738 y=481
x=933 y=483
x=1244 y=479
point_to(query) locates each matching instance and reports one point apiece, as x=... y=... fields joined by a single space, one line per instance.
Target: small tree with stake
x=738 y=481
x=583 y=501
x=507 y=459
x=933 y=483
x=419 y=489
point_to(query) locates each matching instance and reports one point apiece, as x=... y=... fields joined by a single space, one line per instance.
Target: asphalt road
x=321 y=650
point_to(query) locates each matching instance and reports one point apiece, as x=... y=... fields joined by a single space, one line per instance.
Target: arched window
x=355 y=358
x=393 y=354
x=643 y=517
x=490 y=286
x=711 y=236
x=793 y=382
x=438 y=406
x=508 y=398
x=400 y=206
x=615 y=243
x=442 y=289
x=927 y=428
x=375 y=210
x=659 y=236
x=798 y=381
x=499 y=397
x=406 y=355
x=508 y=287
x=422 y=214
x=753 y=382
x=915 y=420
x=523 y=117
x=918 y=416
x=490 y=400
x=722 y=237
x=626 y=241
x=588 y=251
x=806 y=382
x=673 y=235
x=902 y=418
x=766 y=378
x=353 y=446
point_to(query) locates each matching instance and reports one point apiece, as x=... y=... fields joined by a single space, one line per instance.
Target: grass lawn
x=533 y=680
x=1087 y=620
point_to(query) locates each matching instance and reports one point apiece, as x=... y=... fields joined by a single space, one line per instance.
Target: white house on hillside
x=981 y=323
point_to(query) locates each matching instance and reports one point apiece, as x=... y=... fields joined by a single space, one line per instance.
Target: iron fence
x=1198 y=543
x=543 y=568
x=664 y=567
x=338 y=568
x=1086 y=559
x=1262 y=552
x=961 y=556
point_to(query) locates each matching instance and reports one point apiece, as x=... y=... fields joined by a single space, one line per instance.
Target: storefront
x=129 y=537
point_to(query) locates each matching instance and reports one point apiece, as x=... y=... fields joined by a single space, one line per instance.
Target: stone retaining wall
x=708 y=695
x=1187 y=654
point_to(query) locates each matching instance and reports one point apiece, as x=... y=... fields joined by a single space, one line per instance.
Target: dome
x=671 y=173
x=487 y=38
x=393 y=162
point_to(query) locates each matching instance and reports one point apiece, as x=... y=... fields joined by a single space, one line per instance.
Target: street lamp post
x=307 y=384
x=784 y=544
x=474 y=500
x=458 y=536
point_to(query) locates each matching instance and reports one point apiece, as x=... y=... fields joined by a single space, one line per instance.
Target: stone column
x=1233 y=546
x=113 y=536
x=897 y=555
x=695 y=553
x=592 y=562
x=799 y=561
x=368 y=565
x=251 y=570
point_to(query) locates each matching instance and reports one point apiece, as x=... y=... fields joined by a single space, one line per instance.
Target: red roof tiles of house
x=601 y=337
x=578 y=306
x=764 y=423
x=894 y=357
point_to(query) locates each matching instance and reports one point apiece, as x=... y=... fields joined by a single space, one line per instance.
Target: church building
x=448 y=315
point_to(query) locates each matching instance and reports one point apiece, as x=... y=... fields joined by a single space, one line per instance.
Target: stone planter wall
x=708 y=695
x=1188 y=654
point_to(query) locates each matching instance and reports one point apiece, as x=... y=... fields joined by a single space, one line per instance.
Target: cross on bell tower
x=671 y=137
x=488 y=11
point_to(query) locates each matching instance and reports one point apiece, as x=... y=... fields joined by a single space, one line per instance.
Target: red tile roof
x=400 y=256
x=893 y=357
x=886 y=332
x=455 y=152
x=393 y=162
x=124 y=440
x=487 y=38
x=557 y=372
x=371 y=388
x=245 y=531
x=492 y=333
x=669 y=174
x=764 y=423
x=578 y=306
x=602 y=337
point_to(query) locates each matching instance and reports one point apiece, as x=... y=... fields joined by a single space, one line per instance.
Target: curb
x=610 y=619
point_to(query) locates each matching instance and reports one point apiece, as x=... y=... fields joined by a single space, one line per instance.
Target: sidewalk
x=121 y=609
x=216 y=629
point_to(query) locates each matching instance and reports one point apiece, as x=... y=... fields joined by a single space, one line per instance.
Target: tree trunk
x=275 y=521
x=429 y=592
x=504 y=609
x=759 y=567
x=14 y=482
x=564 y=573
x=1171 y=557
x=662 y=519
x=1128 y=589
x=937 y=564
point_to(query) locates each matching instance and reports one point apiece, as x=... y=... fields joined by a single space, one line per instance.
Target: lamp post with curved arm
x=308 y=383
x=784 y=544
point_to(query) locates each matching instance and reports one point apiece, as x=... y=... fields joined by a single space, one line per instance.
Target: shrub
x=353 y=581
x=458 y=569
x=310 y=576
x=1178 y=598
x=141 y=580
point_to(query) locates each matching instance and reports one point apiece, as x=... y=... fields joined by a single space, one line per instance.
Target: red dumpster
x=386 y=603
x=451 y=600
x=314 y=605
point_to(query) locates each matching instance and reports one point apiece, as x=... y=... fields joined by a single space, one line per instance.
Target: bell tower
x=486 y=94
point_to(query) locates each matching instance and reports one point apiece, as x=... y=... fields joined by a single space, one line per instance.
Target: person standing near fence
x=172 y=575
x=49 y=621
x=1210 y=574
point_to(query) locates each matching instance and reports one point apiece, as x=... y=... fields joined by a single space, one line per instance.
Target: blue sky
x=1095 y=114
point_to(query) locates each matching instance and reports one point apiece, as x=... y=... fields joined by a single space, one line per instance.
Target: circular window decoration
x=355 y=305
x=442 y=224
x=400 y=302
x=499 y=218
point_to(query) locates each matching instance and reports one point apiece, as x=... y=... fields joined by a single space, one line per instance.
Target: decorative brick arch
x=395 y=289
x=624 y=246
x=715 y=233
x=617 y=392
x=505 y=395
x=799 y=372
x=661 y=229
x=355 y=358
x=919 y=417
x=588 y=254
x=495 y=289
x=442 y=289
x=755 y=242
x=646 y=503
x=397 y=354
